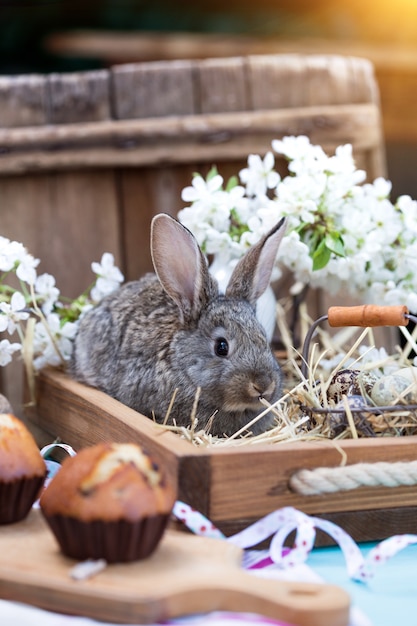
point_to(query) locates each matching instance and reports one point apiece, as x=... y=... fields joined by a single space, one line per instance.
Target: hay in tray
x=335 y=400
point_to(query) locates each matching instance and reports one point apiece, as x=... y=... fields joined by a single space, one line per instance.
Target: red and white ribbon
x=280 y=524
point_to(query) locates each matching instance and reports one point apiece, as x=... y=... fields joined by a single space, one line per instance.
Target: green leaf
x=321 y=256
x=334 y=242
x=212 y=173
x=232 y=182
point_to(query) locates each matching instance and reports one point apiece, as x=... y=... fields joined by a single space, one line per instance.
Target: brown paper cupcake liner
x=17 y=498
x=116 y=542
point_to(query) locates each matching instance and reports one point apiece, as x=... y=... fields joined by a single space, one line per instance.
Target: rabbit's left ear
x=252 y=274
x=180 y=266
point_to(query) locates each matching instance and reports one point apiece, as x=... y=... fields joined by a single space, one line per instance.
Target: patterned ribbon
x=280 y=524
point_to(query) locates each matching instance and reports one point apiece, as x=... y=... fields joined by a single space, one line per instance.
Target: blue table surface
x=389 y=599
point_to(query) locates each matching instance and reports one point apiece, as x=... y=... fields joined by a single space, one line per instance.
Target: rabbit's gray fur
x=158 y=334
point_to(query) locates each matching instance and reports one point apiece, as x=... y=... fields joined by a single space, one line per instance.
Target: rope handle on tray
x=321 y=480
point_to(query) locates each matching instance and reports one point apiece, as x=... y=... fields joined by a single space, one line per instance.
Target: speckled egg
x=354 y=402
x=342 y=383
x=410 y=373
x=357 y=405
x=349 y=382
x=387 y=389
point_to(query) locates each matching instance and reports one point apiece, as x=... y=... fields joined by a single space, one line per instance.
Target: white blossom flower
x=26 y=269
x=53 y=342
x=45 y=287
x=7 y=350
x=11 y=253
x=371 y=242
x=12 y=314
x=259 y=176
x=344 y=235
x=203 y=192
x=53 y=335
x=298 y=149
x=109 y=277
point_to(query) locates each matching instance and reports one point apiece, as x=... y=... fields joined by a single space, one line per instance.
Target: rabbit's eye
x=221 y=347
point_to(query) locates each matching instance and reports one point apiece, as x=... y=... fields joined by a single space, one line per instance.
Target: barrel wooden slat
x=79 y=97
x=302 y=80
x=159 y=93
x=153 y=89
x=276 y=85
x=67 y=221
x=23 y=101
x=157 y=189
x=223 y=86
x=327 y=81
x=85 y=216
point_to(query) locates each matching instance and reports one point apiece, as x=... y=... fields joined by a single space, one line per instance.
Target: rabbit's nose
x=261 y=389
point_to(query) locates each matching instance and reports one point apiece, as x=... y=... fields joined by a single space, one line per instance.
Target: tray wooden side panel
x=264 y=472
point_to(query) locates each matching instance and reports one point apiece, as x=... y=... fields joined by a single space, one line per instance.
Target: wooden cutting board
x=187 y=574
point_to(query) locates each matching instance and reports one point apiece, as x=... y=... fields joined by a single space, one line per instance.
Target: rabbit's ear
x=252 y=274
x=180 y=265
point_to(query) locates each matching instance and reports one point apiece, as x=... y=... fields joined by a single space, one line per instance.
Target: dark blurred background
x=26 y=26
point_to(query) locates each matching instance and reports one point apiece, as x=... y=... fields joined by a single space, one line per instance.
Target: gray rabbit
x=173 y=330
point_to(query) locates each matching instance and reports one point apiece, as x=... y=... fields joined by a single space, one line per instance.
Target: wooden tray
x=187 y=574
x=234 y=487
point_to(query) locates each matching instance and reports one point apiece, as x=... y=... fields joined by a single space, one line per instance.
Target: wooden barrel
x=86 y=159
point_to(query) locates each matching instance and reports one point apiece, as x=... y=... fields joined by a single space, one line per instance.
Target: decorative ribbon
x=46 y=450
x=280 y=524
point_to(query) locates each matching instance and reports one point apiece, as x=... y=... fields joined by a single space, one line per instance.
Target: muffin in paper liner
x=22 y=469
x=111 y=501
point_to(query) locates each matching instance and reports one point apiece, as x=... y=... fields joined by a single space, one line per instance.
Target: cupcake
x=111 y=501
x=22 y=469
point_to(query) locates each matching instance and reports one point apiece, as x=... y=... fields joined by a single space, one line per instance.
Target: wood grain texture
x=89 y=416
x=194 y=138
x=264 y=474
x=66 y=221
x=23 y=101
x=157 y=189
x=185 y=575
x=157 y=89
x=223 y=86
x=78 y=97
